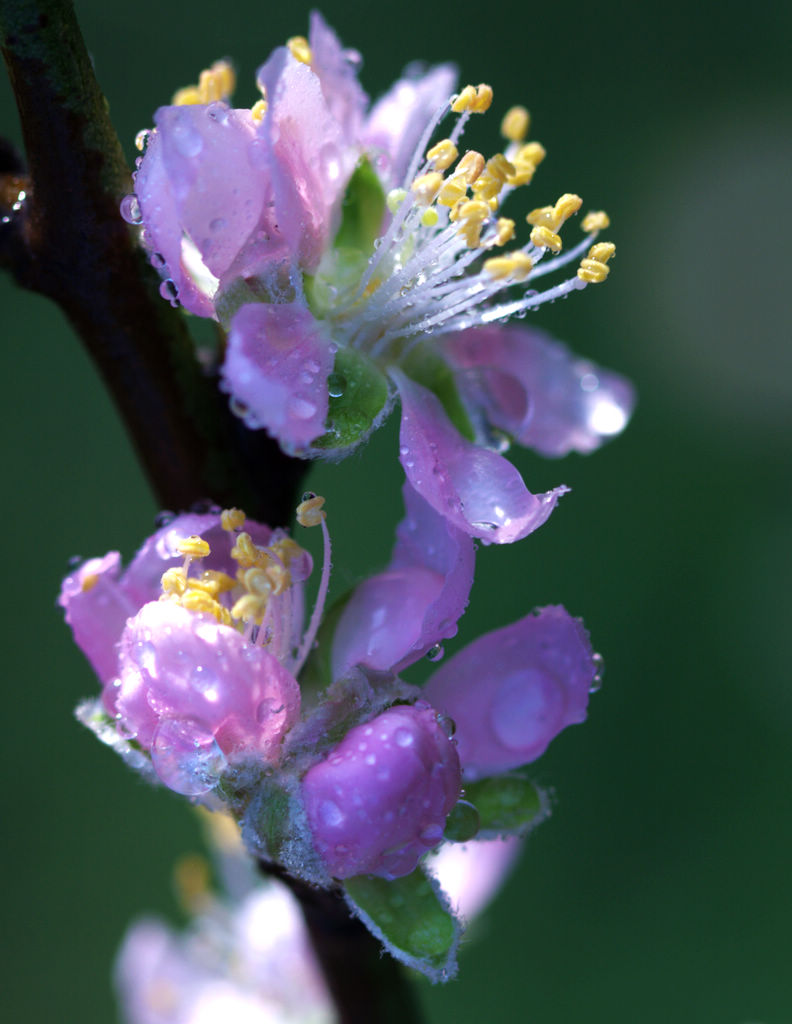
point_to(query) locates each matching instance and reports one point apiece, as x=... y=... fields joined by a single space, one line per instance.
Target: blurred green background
x=660 y=890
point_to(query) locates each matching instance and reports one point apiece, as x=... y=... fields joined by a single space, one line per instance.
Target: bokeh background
x=661 y=888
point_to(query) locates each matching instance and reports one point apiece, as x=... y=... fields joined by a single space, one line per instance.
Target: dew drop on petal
x=403 y=737
x=144 y=655
x=301 y=408
x=130 y=210
x=267 y=708
x=141 y=140
x=435 y=652
x=186 y=756
x=599 y=665
x=447 y=724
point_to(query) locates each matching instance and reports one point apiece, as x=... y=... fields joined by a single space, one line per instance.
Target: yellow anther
x=395 y=198
x=593 y=269
x=250 y=608
x=493 y=202
x=471 y=165
x=544 y=238
x=198 y=601
x=596 y=220
x=515 y=123
x=426 y=187
x=474 y=210
x=513 y=264
x=465 y=100
x=552 y=217
x=531 y=152
x=212 y=582
x=309 y=511
x=186 y=97
x=493 y=178
x=287 y=549
x=505 y=231
x=258 y=110
x=430 y=217
x=232 y=519
x=89 y=582
x=245 y=551
x=257 y=582
x=174 y=582
x=299 y=49
x=442 y=155
x=483 y=99
x=452 y=191
x=215 y=83
x=279 y=577
x=194 y=547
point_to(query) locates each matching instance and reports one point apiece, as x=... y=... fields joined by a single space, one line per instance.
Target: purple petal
x=303 y=153
x=97 y=609
x=196 y=180
x=471 y=873
x=380 y=800
x=478 y=490
x=180 y=667
x=337 y=70
x=276 y=365
x=513 y=690
x=397 y=120
x=574 y=404
x=395 y=617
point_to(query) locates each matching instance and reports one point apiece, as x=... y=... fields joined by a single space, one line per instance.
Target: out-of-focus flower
x=355 y=257
x=250 y=964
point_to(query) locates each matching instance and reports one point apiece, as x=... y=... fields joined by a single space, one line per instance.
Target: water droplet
x=403 y=737
x=336 y=385
x=307 y=496
x=164 y=518
x=267 y=708
x=370 y=759
x=142 y=139
x=432 y=834
x=484 y=526
x=599 y=666
x=447 y=724
x=130 y=209
x=186 y=756
x=157 y=260
x=331 y=814
x=217 y=224
x=75 y=561
x=404 y=450
x=218 y=112
x=435 y=652
x=144 y=655
x=301 y=408
x=168 y=290
x=186 y=139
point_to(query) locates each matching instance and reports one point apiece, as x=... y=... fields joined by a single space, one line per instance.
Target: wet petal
x=397 y=120
x=478 y=490
x=574 y=404
x=395 y=617
x=277 y=363
x=337 y=69
x=513 y=690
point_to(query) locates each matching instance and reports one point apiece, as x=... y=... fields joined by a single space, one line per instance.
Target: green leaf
x=423 y=365
x=507 y=804
x=358 y=394
x=362 y=210
x=411 y=917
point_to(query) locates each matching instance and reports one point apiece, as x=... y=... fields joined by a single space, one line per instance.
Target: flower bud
x=379 y=801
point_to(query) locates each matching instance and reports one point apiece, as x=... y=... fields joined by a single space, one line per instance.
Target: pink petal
x=179 y=666
x=513 y=690
x=337 y=70
x=574 y=404
x=276 y=365
x=302 y=151
x=478 y=490
x=397 y=120
x=97 y=609
x=395 y=617
x=471 y=873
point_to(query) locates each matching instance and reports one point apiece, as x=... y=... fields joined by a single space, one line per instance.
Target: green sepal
x=358 y=398
x=273 y=810
x=412 y=919
x=423 y=365
x=507 y=804
x=362 y=210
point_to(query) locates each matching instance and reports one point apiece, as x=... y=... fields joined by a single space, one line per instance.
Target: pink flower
x=356 y=258
x=197 y=665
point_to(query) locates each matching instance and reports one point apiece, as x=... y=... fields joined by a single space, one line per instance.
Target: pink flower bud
x=381 y=798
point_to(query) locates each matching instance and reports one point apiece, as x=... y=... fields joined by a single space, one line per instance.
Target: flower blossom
x=197 y=665
x=356 y=256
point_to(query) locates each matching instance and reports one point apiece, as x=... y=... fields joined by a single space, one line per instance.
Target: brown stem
x=367 y=985
x=68 y=242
